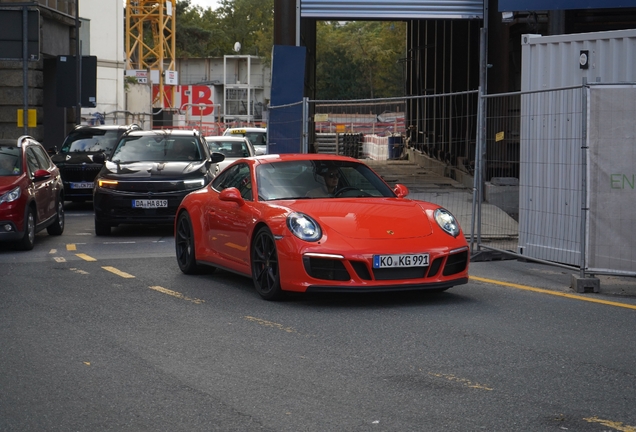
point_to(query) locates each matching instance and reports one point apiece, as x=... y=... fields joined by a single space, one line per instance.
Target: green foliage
x=354 y=60
x=359 y=59
x=212 y=33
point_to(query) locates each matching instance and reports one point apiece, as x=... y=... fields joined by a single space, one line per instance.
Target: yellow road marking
x=118 y=272
x=619 y=426
x=554 y=293
x=86 y=257
x=270 y=324
x=71 y=247
x=176 y=294
x=59 y=259
x=53 y=251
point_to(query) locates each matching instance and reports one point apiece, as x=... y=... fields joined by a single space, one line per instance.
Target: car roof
x=166 y=132
x=273 y=158
x=107 y=127
x=246 y=129
x=226 y=138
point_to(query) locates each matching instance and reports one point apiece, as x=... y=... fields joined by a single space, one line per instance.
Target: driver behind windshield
x=328 y=179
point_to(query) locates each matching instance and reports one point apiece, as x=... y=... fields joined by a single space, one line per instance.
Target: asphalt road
x=107 y=334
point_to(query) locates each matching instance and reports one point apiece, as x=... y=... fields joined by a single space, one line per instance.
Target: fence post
x=304 y=147
x=584 y=197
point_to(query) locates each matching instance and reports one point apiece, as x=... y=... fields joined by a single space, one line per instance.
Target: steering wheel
x=347 y=189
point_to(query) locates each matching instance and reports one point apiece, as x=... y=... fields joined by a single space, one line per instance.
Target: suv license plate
x=403 y=260
x=149 y=204
x=82 y=185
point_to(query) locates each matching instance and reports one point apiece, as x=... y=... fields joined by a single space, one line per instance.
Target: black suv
x=76 y=157
x=147 y=175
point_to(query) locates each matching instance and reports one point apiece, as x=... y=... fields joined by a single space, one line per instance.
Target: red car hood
x=373 y=218
x=8 y=182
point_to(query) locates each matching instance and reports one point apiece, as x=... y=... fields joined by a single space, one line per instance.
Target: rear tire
x=265 y=270
x=57 y=227
x=28 y=239
x=101 y=229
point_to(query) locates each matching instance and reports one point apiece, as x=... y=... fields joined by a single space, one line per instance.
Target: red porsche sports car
x=318 y=223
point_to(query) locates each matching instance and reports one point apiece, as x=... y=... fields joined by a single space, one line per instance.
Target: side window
x=43 y=160
x=32 y=161
x=239 y=177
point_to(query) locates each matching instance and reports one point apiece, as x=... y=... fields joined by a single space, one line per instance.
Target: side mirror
x=259 y=153
x=400 y=190
x=99 y=158
x=41 y=175
x=217 y=157
x=232 y=194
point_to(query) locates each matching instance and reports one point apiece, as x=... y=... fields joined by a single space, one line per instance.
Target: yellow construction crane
x=150 y=42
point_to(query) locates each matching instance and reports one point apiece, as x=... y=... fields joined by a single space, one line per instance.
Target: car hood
x=9 y=182
x=370 y=218
x=150 y=169
x=74 y=158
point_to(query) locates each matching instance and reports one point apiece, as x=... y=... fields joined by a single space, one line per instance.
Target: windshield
x=10 y=161
x=157 y=148
x=231 y=149
x=90 y=140
x=310 y=179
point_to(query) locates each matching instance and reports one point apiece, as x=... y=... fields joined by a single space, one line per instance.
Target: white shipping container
x=555 y=61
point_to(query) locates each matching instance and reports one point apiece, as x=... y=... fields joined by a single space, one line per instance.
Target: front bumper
x=9 y=231
x=116 y=207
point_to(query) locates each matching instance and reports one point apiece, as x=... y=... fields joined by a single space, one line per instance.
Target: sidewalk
x=426 y=185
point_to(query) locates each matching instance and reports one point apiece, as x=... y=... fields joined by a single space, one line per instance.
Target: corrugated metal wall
x=553 y=61
x=391 y=10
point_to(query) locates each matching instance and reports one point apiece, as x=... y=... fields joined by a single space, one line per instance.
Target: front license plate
x=82 y=185
x=149 y=204
x=403 y=260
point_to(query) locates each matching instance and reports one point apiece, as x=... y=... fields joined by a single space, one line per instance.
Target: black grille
x=399 y=273
x=432 y=272
x=327 y=269
x=151 y=186
x=79 y=173
x=456 y=263
x=361 y=269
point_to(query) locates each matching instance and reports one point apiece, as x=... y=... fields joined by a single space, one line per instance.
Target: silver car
x=233 y=147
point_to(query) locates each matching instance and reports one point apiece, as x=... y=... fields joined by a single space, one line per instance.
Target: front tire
x=28 y=239
x=57 y=227
x=265 y=270
x=101 y=229
x=184 y=245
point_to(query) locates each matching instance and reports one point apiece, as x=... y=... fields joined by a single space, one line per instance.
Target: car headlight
x=107 y=184
x=304 y=227
x=194 y=184
x=11 y=196
x=447 y=221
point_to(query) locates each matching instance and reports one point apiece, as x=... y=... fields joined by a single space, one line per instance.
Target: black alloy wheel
x=57 y=227
x=184 y=245
x=265 y=270
x=28 y=239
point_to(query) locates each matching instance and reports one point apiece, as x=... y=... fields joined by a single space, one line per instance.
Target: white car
x=233 y=147
x=256 y=135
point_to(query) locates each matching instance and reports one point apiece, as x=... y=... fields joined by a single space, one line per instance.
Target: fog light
x=8 y=227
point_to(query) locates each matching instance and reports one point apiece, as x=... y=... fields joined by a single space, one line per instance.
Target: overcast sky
x=205 y=3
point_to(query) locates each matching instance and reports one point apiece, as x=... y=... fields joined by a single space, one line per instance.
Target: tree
x=213 y=33
x=359 y=59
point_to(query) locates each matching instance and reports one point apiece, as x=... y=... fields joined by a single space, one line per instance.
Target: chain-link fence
x=540 y=182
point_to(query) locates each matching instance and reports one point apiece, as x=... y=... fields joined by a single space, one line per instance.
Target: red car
x=31 y=193
x=318 y=223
